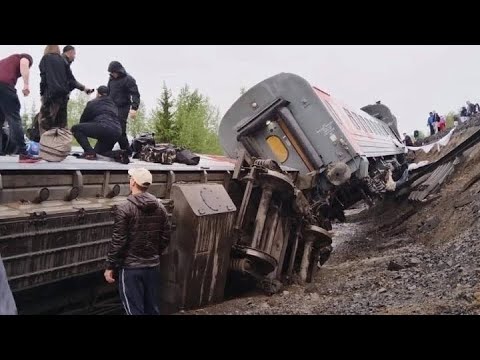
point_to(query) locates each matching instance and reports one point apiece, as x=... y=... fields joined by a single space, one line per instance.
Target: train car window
x=376 y=127
x=384 y=129
x=369 y=124
x=352 y=119
x=278 y=148
x=333 y=112
x=362 y=122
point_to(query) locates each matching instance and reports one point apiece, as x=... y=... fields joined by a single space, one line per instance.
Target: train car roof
x=213 y=163
x=71 y=163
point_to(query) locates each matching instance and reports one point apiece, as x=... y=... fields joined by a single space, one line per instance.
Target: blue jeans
x=139 y=290
x=10 y=112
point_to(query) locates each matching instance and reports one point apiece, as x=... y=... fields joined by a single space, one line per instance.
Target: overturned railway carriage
x=340 y=154
x=300 y=158
x=332 y=145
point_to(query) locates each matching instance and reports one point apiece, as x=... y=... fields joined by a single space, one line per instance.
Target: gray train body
x=287 y=119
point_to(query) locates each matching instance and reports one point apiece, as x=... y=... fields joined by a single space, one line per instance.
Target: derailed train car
x=300 y=158
x=341 y=155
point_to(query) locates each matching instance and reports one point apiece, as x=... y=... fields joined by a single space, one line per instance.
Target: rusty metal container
x=195 y=271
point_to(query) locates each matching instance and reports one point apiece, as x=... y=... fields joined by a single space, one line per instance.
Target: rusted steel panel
x=55 y=240
x=195 y=271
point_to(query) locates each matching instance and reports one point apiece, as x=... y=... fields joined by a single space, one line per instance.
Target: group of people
x=104 y=118
x=436 y=123
x=468 y=111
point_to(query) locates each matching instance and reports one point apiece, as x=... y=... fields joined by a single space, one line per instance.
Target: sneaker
x=28 y=159
x=88 y=156
x=91 y=156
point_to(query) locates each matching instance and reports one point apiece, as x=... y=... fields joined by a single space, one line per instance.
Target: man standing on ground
x=69 y=54
x=11 y=68
x=124 y=92
x=140 y=235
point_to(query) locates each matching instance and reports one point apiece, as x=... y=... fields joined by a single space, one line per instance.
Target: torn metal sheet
x=432 y=182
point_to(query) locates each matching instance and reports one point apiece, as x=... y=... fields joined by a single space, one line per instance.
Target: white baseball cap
x=141 y=176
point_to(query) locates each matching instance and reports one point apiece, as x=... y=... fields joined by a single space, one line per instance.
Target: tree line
x=188 y=120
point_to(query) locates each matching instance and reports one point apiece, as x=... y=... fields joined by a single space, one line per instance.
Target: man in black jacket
x=54 y=89
x=99 y=121
x=141 y=233
x=69 y=54
x=124 y=92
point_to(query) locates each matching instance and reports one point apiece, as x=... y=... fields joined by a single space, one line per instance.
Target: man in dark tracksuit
x=124 y=92
x=54 y=90
x=141 y=233
x=11 y=69
x=99 y=121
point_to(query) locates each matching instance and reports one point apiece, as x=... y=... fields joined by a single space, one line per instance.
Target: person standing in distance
x=141 y=233
x=124 y=92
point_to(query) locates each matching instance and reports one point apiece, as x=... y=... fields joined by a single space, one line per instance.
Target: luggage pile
x=144 y=148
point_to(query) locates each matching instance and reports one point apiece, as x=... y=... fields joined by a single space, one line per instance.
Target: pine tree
x=162 y=118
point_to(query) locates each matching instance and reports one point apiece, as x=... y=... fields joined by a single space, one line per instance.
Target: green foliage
x=196 y=123
x=25 y=119
x=140 y=124
x=162 y=117
x=33 y=111
x=76 y=105
x=189 y=121
x=450 y=118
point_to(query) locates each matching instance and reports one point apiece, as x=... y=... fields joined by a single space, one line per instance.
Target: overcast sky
x=411 y=80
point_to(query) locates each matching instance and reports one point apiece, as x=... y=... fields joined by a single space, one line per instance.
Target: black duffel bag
x=185 y=156
x=140 y=142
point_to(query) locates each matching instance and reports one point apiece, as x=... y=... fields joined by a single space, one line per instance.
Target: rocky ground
x=370 y=275
x=395 y=258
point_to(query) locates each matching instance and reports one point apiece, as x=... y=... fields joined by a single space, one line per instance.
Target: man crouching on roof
x=98 y=121
x=141 y=233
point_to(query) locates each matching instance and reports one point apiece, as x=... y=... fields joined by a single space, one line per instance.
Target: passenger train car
x=303 y=127
x=337 y=149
